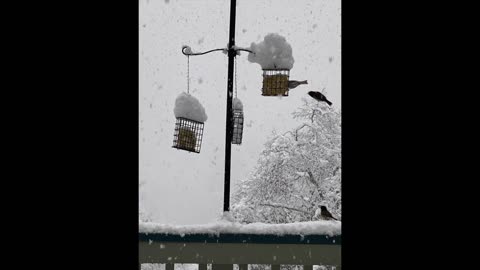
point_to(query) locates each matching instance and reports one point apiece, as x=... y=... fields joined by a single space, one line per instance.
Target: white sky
x=187 y=188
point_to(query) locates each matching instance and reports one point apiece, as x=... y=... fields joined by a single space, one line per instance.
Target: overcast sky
x=187 y=188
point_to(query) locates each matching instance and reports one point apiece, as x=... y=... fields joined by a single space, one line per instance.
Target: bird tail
x=328 y=102
x=303 y=82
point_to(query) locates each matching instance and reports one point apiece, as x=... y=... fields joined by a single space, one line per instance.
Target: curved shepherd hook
x=231 y=51
x=224 y=49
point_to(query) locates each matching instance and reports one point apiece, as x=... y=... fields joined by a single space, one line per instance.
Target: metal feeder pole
x=232 y=53
x=228 y=134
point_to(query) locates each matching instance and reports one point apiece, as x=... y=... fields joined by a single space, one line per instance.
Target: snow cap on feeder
x=237 y=104
x=274 y=55
x=273 y=52
x=237 y=121
x=187 y=106
x=190 y=116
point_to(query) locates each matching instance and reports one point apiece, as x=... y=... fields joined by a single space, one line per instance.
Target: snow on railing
x=226 y=242
x=330 y=228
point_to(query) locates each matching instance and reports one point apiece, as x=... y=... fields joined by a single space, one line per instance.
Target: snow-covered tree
x=297 y=172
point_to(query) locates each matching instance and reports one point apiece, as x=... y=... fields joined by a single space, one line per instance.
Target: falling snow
x=163 y=168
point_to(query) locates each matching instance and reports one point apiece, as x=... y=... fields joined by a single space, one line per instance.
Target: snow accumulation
x=237 y=48
x=272 y=53
x=321 y=227
x=187 y=106
x=237 y=104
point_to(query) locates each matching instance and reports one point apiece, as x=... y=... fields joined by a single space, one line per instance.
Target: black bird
x=319 y=97
x=325 y=214
x=293 y=84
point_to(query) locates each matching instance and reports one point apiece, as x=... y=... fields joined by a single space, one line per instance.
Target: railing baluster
x=224 y=255
x=222 y=266
x=202 y=266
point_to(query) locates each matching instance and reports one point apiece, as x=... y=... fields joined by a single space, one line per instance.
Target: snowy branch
x=298 y=129
x=335 y=171
x=285 y=207
x=311 y=152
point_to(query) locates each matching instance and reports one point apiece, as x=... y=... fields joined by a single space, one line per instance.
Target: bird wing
x=313 y=95
x=328 y=214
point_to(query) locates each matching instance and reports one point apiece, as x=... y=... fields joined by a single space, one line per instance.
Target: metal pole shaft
x=228 y=133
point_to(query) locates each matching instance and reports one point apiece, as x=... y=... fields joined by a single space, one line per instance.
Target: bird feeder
x=188 y=135
x=237 y=126
x=190 y=116
x=275 y=82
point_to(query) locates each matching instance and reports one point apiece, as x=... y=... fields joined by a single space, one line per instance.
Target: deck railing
x=226 y=249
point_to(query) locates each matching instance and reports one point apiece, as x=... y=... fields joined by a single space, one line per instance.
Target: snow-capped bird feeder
x=274 y=55
x=237 y=121
x=190 y=116
x=275 y=82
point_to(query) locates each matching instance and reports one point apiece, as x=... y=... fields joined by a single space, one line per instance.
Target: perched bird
x=319 y=97
x=317 y=215
x=293 y=84
x=325 y=214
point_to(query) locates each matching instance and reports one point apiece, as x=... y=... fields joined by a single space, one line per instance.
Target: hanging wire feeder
x=188 y=135
x=275 y=82
x=237 y=126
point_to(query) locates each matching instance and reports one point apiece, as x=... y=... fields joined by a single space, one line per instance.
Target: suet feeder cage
x=237 y=126
x=275 y=82
x=188 y=135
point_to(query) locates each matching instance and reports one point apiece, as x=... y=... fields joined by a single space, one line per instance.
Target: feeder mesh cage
x=188 y=135
x=237 y=127
x=275 y=82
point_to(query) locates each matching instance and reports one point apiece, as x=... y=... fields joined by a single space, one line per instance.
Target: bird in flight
x=319 y=97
